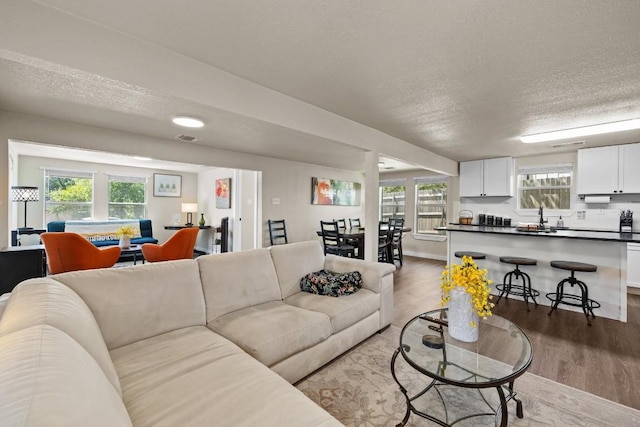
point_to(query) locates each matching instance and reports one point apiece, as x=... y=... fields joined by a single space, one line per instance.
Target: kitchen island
x=606 y=250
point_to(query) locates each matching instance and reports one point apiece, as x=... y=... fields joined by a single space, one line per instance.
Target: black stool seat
x=474 y=255
x=574 y=266
x=582 y=300
x=524 y=290
x=518 y=260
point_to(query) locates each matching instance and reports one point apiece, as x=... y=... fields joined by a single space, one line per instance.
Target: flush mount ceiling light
x=190 y=122
x=583 y=131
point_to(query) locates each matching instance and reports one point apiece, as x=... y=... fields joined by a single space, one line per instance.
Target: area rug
x=358 y=389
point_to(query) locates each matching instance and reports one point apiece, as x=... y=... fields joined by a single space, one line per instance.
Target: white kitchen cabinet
x=489 y=177
x=609 y=170
x=629 y=171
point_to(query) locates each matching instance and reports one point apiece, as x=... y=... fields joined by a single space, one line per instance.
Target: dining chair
x=333 y=243
x=71 y=252
x=384 y=242
x=179 y=246
x=396 y=241
x=277 y=232
x=396 y=222
x=342 y=223
x=354 y=222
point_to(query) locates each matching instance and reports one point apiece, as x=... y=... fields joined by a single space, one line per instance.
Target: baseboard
x=633 y=290
x=423 y=255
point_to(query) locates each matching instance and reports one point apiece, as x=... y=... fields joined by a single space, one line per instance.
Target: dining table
x=355 y=236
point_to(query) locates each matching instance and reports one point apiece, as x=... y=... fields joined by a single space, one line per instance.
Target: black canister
x=506 y=222
x=482 y=219
x=497 y=221
x=489 y=220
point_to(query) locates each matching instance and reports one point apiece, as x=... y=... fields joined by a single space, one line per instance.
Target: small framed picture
x=167 y=185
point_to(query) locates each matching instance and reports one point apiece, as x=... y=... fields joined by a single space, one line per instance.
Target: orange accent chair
x=179 y=246
x=71 y=252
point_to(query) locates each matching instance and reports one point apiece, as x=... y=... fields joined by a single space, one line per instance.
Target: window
x=548 y=186
x=127 y=197
x=68 y=195
x=391 y=200
x=431 y=204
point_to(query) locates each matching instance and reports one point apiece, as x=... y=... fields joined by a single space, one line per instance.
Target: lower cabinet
x=633 y=265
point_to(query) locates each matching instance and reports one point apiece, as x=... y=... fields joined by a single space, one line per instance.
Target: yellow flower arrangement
x=126 y=231
x=471 y=279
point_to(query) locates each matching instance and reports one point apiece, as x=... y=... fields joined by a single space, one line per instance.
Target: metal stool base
x=524 y=290
x=586 y=303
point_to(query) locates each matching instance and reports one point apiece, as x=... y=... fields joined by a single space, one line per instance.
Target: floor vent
x=186 y=138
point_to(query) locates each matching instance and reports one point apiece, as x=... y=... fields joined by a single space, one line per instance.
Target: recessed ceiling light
x=583 y=131
x=142 y=158
x=189 y=122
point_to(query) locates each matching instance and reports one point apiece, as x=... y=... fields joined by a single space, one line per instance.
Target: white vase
x=461 y=315
x=125 y=242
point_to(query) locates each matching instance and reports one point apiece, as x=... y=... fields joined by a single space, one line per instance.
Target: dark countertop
x=566 y=234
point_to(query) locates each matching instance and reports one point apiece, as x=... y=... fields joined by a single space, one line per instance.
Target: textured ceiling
x=462 y=79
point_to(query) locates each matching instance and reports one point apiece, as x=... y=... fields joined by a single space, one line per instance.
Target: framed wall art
x=167 y=185
x=325 y=191
x=223 y=193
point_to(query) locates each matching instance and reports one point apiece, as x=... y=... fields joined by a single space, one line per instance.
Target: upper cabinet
x=609 y=170
x=489 y=177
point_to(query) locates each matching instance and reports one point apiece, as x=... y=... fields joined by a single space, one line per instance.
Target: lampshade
x=24 y=194
x=189 y=207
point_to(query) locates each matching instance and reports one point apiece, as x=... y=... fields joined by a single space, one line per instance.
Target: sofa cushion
x=344 y=311
x=134 y=303
x=48 y=379
x=233 y=281
x=273 y=331
x=195 y=377
x=47 y=302
x=295 y=260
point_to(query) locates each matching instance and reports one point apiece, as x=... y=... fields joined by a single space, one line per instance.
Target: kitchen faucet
x=542 y=221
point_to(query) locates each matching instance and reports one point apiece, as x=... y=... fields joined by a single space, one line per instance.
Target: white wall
x=160 y=209
x=286 y=180
x=412 y=245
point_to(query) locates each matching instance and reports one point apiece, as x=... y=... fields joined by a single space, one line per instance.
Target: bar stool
x=474 y=255
x=559 y=297
x=523 y=290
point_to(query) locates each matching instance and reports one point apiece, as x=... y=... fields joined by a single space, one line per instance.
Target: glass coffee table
x=458 y=381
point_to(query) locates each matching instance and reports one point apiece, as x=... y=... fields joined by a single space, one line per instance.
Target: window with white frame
x=431 y=204
x=392 y=196
x=547 y=186
x=127 y=197
x=68 y=195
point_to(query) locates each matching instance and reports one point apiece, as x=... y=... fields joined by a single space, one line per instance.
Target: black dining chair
x=384 y=242
x=333 y=243
x=396 y=241
x=354 y=222
x=277 y=232
x=342 y=223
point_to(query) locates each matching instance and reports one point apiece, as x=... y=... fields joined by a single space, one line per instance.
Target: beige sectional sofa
x=214 y=341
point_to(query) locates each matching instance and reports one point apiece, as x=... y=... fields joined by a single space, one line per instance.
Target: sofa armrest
x=373 y=273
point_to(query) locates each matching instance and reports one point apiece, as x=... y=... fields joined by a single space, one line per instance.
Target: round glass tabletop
x=501 y=354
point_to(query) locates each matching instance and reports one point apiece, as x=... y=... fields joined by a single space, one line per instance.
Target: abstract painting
x=325 y=191
x=223 y=193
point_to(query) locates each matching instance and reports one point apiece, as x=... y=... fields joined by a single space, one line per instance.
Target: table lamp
x=24 y=194
x=189 y=208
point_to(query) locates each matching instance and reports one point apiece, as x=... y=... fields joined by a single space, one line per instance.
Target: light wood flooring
x=603 y=359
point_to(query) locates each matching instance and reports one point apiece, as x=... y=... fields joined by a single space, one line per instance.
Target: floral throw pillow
x=325 y=282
